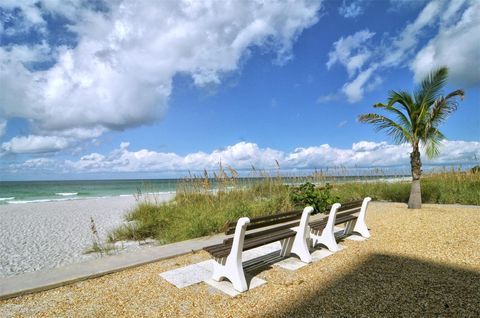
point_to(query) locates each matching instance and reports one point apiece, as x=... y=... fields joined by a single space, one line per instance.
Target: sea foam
x=42 y=200
x=66 y=194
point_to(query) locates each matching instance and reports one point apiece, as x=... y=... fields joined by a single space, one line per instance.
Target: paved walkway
x=47 y=279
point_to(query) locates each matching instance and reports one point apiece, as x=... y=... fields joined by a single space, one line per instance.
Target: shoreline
x=74 y=197
x=46 y=235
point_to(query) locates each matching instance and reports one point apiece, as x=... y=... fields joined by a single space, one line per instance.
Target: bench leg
x=349 y=227
x=300 y=246
x=362 y=229
x=327 y=238
x=313 y=238
x=300 y=243
x=286 y=246
x=361 y=226
x=231 y=269
x=218 y=269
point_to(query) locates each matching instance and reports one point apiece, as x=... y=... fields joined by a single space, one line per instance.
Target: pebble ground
x=418 y=263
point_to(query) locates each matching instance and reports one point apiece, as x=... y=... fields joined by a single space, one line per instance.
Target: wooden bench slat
x=227 y=243
x=224 y=250
x=317 y=226
x=346 y=206
x=350 y=205
x=213 y=248
x=258 y=225
x=276 y=215
x=251 y=235
x=259 y=241
x=342 y=218
x=348 y=212
x=264 y=220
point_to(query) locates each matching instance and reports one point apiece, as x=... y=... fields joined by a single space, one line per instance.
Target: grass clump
x=97 y=245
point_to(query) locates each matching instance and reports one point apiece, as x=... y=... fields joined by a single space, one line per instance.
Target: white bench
x=261 y=230
x=322 y=231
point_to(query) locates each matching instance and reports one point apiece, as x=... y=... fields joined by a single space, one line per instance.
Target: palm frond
x=430 y=88
x=399 y=134
x=432 y=142
x=442 y=108
x=405 y=100
x=457 y=93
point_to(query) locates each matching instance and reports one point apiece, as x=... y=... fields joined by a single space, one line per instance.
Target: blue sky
x=143 y=89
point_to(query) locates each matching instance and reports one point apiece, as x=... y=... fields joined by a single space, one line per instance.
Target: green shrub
x=308 y=194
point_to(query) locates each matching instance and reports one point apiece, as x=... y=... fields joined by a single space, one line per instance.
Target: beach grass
x=199 y=209
x=444 y=187
x=204 y=205
x=100 y=248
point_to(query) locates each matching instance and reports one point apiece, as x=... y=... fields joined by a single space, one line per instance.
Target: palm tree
x=416 y=121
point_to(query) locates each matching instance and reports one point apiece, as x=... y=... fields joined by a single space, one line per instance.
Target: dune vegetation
x=204 y=204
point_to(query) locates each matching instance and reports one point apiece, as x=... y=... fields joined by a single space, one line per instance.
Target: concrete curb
x=47 y=279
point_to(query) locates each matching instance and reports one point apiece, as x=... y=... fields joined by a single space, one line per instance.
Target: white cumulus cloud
x=119 y=74
x=355 y=89
x=244 y=155
x=351 y=51
x=34 y=144
x=456 y=45
x=454 y=30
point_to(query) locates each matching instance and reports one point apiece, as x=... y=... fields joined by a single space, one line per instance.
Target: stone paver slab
x=186 y=276
x=227 y=288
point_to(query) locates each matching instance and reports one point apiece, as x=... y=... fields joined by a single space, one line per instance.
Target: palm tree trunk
x=415 y=200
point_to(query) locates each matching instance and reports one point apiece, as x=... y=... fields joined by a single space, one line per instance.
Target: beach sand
x=45 y=235
x=421 y=263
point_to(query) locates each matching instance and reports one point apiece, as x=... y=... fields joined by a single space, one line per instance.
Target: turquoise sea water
x=17 y=192
x=12 y=192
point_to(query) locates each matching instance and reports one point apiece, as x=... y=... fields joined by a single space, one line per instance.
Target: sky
x=154 y=89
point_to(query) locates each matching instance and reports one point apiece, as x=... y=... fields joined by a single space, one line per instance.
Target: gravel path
x=417 y=263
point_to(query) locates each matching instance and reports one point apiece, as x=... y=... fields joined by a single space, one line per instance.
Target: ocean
x=18 y=192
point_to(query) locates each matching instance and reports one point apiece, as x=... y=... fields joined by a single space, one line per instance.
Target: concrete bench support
x=300 y=244
x=327 y=237
x=360 y=225
x=230 y=267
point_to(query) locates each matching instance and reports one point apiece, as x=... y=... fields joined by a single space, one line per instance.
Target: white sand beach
x=44 y=235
